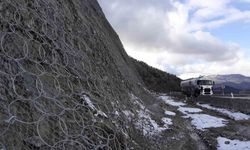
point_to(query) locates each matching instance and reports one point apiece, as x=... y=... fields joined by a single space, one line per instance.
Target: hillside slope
x=66 y=82
x=155 y=79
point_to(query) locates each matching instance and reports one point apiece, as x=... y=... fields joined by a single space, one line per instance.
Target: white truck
x=197 y=86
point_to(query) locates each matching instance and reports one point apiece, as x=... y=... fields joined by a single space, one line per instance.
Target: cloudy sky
x=185 y=37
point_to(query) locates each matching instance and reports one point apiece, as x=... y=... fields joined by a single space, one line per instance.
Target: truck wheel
x=196 y=93
x=188 y=95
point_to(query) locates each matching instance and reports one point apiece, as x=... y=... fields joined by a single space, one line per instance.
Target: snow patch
x=128 y=113
x=204 y=121
x=227 y=144
x=149 y=126
x=101 y=113
x=145 y=122
x=117 y=113
x=136 y=101
x=170 y=113
x=167 y=121
x=92 y=106
x=200 y=121
x=186 y=110
x=171 y=102
x=233 y=115
x=89 y=102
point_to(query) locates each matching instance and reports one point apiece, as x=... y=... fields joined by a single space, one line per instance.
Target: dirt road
x=202 y=126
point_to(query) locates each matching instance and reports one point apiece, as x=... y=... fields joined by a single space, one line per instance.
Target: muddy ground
x=183 y=135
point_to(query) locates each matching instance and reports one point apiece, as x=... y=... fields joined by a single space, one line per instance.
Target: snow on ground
x=167 y=121
x=227 y=144
x=170 y=113
x=186 y=110
x=136 y=101
x=89 y=102
x=101 y=113
x=117 y=113
x=171 y=102
x=145 y=122
x=92 y=106
x=200 y=121
x=233 y=115
x=128 y=113
x=204 y=121
x=149 y=126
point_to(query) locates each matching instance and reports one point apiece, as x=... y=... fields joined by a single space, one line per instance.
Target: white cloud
x=246 y=1
x=172 y=36
x=213 y=13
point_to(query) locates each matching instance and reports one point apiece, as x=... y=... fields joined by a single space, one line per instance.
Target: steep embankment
x=66 y=81
x=155 y=79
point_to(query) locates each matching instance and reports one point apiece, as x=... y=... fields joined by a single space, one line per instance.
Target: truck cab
x=205 y=87
x=196 y=87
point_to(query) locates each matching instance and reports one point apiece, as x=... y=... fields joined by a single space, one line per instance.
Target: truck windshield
x=205 y=82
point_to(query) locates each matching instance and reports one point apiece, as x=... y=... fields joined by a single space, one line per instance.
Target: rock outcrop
x=66 y=81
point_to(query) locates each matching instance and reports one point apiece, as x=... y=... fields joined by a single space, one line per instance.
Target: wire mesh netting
x=59 y=89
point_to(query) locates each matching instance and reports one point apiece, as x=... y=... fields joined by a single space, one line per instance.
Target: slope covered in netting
x=65 y=78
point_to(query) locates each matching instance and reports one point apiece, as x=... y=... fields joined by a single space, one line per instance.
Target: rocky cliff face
x=65 y=79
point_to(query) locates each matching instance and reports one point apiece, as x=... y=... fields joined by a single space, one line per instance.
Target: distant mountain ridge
x=234 y=78
x=232 y=82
